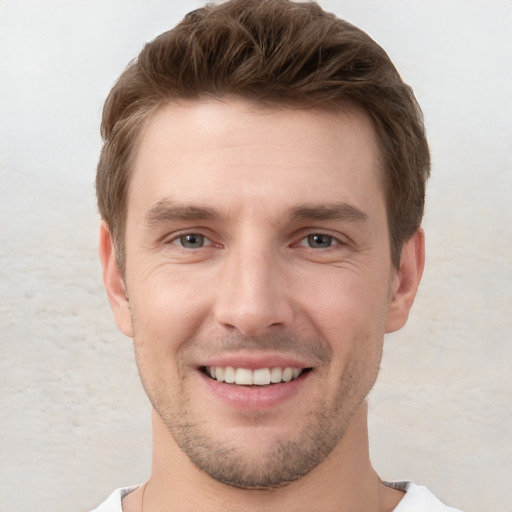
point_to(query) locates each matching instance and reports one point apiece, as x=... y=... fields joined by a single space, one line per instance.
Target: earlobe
x=406 y=281
x=114 y=283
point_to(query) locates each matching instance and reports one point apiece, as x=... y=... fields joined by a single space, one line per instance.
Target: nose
x=253 y=297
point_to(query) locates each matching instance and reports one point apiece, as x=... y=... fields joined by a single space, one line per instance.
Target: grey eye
x=319 y=241
x=192 y=241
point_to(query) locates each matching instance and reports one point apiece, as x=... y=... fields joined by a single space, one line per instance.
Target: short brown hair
x=276 y=53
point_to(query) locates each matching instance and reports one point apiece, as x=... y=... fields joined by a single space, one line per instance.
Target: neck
x=344 y=481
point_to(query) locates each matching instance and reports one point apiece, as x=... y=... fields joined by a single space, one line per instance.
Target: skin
x=290 y=263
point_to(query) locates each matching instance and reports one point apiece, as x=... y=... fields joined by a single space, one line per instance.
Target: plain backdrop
x=74 y=422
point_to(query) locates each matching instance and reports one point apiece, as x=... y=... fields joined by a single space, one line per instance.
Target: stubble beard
x=283 y=461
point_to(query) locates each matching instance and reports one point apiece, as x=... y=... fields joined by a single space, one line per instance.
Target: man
x=262 y=186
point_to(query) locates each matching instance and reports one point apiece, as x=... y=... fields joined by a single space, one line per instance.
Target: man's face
x=257 y=251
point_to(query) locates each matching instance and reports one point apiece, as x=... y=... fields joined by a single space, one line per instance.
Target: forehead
x=232 y=151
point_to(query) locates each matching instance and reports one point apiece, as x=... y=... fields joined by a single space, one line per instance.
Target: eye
x=318 y=241
x=191 y=241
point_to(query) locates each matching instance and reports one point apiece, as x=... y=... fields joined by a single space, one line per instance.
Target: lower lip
x=254 y=397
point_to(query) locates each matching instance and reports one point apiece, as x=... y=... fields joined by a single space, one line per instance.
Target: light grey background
x=74 y=423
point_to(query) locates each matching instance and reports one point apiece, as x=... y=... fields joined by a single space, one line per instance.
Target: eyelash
x=206 y=242
x=333 y=241
x=178 y=240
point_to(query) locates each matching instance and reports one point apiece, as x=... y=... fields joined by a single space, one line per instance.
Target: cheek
x=349 y=304
x=168 y=310
x=160 y=330
x=350 y=315
x=170 y=303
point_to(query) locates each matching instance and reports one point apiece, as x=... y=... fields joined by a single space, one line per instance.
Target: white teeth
x=229 y=374
x=275 y=375
x=287 y=374
x=243 y=376
x=259 y=377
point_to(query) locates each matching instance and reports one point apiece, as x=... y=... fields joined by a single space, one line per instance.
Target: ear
x=114 y=283
x=406 y=281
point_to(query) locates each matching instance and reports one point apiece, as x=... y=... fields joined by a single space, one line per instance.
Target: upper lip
x=254 y=361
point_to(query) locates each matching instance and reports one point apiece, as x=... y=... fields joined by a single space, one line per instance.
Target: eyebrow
x=335 y=211
x=168 y=210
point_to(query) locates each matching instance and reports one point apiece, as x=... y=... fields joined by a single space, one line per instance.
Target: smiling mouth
x=247 y=377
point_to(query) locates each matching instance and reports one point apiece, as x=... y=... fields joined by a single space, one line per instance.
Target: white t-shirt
x=416 y=499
